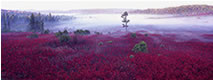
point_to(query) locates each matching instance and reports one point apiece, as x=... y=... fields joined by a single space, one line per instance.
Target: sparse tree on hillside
x=125 y=20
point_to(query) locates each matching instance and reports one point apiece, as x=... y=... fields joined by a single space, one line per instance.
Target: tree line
x=35 y=21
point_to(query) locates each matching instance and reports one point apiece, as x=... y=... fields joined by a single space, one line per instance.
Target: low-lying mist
x=185 y=27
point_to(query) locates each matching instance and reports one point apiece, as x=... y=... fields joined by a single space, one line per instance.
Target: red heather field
x=45 y=58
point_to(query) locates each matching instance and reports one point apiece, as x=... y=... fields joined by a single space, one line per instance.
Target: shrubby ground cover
x=83 y=58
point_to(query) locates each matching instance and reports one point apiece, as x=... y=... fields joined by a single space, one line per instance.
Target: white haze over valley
x=186 y=27
x=112 y=22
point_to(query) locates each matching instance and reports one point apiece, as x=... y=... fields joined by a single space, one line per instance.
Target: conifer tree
x=125 y=20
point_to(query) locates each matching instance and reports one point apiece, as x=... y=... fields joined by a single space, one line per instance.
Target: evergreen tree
x=125 y=20
x=6 y=21
x=50 y=17
x=32 y=22
x=36 y=23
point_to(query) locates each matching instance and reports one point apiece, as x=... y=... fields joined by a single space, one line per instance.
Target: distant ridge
x=185 y=9
x=179 y=10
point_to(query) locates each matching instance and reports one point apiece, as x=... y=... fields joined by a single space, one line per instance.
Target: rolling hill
x=183 y=10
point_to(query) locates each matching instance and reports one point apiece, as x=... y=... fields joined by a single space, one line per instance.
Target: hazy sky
x=95 y=4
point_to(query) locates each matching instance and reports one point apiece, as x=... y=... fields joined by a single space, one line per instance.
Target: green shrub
x=87 y=31
x=142 y=46
x=109 y=42
x=59 y=33
x=98 y=33
x=47 y=31
x=64 y=38
x=66 y=32
x=159 y=54
x=82 y=32
x=133 y=35
x=146 y=35
x=131 y=56
x=33 y=35
x=100 y=43
x=161 y=45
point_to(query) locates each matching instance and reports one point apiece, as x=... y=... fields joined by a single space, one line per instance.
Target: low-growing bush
x=133 y=35
x=146 y=35
x=161 y=45
x=33 y=35
x=98 y=33
x=100 y=43
x=142 y=47
x=109 y=42
x=65 y=32
x=59 y=33
x=87 y=31
x=82 y=32
x=64 y=38
x=46 y=31
x=159 y=54
x=131 y=56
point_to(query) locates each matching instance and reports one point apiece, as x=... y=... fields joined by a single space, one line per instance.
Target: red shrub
x=46 y=58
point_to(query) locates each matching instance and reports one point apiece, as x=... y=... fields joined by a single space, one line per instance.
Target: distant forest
x=30 y=20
